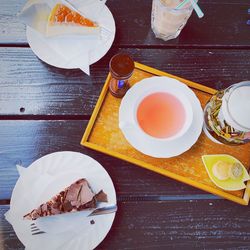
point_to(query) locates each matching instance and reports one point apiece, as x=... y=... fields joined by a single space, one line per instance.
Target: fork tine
x=37 y=233
x=33 y=226
x=35 y=230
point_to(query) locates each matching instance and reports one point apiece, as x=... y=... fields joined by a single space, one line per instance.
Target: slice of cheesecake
x=77 y=197
x=65 y=21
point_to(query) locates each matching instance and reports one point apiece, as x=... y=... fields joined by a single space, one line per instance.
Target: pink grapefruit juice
x=161 y=115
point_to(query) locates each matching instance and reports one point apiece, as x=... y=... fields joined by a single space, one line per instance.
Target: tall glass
x=166 y=21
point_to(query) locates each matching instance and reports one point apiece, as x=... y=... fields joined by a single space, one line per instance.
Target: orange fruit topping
x=63 y=14
x=69 y=18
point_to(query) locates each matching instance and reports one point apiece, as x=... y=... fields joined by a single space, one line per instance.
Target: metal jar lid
x=121 y=66
x=236 y=106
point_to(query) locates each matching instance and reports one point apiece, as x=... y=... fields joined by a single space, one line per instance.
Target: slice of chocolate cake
x=77 y=197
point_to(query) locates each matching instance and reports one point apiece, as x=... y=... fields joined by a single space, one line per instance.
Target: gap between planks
x=156 y=198
x=45 y=117
x=154 y=46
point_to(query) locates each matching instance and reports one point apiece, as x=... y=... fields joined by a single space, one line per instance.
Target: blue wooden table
x=44 y=109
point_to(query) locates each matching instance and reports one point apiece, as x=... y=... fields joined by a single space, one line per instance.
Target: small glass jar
x=227 y=115
x=121 y=67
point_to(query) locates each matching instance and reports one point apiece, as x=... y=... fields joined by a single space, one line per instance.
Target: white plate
x=38 y=45
x=36 y=185
x=152 y=147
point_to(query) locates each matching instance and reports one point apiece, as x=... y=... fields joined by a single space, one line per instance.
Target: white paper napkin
x=42 y=179
x=89 y=8
x=69 y=48
x=77 y=55
x=35 y=14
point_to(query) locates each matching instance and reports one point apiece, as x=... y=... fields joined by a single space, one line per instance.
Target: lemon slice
x=230 y=176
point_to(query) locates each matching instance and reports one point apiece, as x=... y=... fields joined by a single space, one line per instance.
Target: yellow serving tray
x=103 y=134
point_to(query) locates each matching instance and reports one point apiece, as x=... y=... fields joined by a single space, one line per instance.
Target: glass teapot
x=227 y=115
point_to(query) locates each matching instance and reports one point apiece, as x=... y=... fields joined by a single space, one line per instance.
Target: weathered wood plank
x=224 y=24
x=11 y=30
x=40 y=89
x=28 y=83
x=166 y=225
x=25 y=141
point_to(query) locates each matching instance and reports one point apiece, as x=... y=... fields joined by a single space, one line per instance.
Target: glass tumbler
x=166 y=21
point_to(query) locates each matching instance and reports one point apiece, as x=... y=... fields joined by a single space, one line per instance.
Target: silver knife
x=104 y=210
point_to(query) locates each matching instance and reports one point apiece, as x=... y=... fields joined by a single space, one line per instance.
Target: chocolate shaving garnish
x=90 y=204
x=79 y=195
x=67 y=206
x=101 y=197
x=56 y=205
x=72 y=192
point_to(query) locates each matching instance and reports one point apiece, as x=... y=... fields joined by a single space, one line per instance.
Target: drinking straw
x=183 y=3
x=196 y=7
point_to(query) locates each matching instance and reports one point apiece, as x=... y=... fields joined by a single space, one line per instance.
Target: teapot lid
x=236 y=106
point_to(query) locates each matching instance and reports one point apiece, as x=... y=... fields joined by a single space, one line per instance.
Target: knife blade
x=104 y=210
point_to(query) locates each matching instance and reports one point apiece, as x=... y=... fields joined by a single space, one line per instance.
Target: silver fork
x=35 y=230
